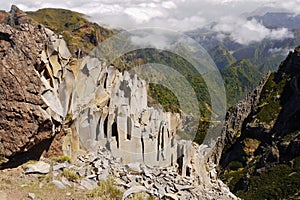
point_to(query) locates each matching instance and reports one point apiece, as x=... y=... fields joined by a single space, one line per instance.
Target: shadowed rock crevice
x=6 y=37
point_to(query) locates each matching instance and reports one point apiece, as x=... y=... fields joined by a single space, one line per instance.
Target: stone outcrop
x=22 y=120
x=234 y=121
x=44 y=91
x=103 y=106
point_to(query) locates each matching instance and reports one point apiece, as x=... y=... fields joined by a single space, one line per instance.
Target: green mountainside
x=221 y=56
x=265 y=55
x=239 y=78
x=262 y=161
x=81 y=35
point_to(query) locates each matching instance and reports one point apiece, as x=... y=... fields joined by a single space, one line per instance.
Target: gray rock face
x=97 y=105
x=234 y=121
x=59 y=184
x=105 y=107
x=88 y=184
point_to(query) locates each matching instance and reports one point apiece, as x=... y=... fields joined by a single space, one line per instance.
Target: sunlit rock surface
x=44 y=90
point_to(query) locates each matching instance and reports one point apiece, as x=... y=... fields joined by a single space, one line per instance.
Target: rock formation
x=106 y=107
x=22 y=122
x=45 y=91
x=234 y=121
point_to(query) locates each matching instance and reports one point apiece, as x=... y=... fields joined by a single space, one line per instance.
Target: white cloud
x=155 y=41
x=282 y=51
x=179 y=15
x=175 y=14
x=168 y=5
x=246 y=32
x=289 y=5
x=142 y=15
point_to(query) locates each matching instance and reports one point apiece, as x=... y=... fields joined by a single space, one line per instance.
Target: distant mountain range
x=278 y=20
x=262 y=56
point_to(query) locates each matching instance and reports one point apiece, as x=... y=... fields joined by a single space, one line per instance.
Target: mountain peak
x=17 y=16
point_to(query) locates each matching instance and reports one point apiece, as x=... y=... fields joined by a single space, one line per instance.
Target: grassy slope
x=221 y=56
x=78 y=32
x=239 y=78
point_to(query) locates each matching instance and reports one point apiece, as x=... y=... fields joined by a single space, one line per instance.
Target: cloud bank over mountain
x=179 y=15
x=246 y=31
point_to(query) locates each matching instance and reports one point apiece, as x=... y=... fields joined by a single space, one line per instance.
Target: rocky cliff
x=84 y=103
x=261 y=137
x=22 y=122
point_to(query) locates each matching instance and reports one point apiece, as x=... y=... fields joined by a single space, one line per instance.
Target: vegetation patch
x=62 y=159
x=106 y=191
x=78 y=32
x=269 y=105
x=279 y=182
x=70 y=174
x=250 y=145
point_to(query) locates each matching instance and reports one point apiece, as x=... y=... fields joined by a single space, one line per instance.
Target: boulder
x=23 y=123
x=38 y=167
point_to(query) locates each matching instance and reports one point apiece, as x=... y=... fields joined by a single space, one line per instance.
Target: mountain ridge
x=265 y=144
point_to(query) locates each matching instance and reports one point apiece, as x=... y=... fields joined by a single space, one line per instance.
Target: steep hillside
x=221 y=56
x=265 y=54
x=81 y=35
x=261 y=158
x=239 y=79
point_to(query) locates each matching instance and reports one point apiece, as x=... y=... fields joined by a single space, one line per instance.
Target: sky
x=178 y=15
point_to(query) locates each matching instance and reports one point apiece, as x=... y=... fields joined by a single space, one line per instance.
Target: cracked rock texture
x=22 y=122
x=44 y=92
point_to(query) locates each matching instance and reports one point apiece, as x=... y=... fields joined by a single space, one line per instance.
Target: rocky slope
x=262 y=137
x=84 y=103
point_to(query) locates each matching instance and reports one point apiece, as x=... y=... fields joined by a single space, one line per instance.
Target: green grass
x=106 y=191
x=62 y=159
x=78 y=32
x=70 y=174
x=58 y=20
